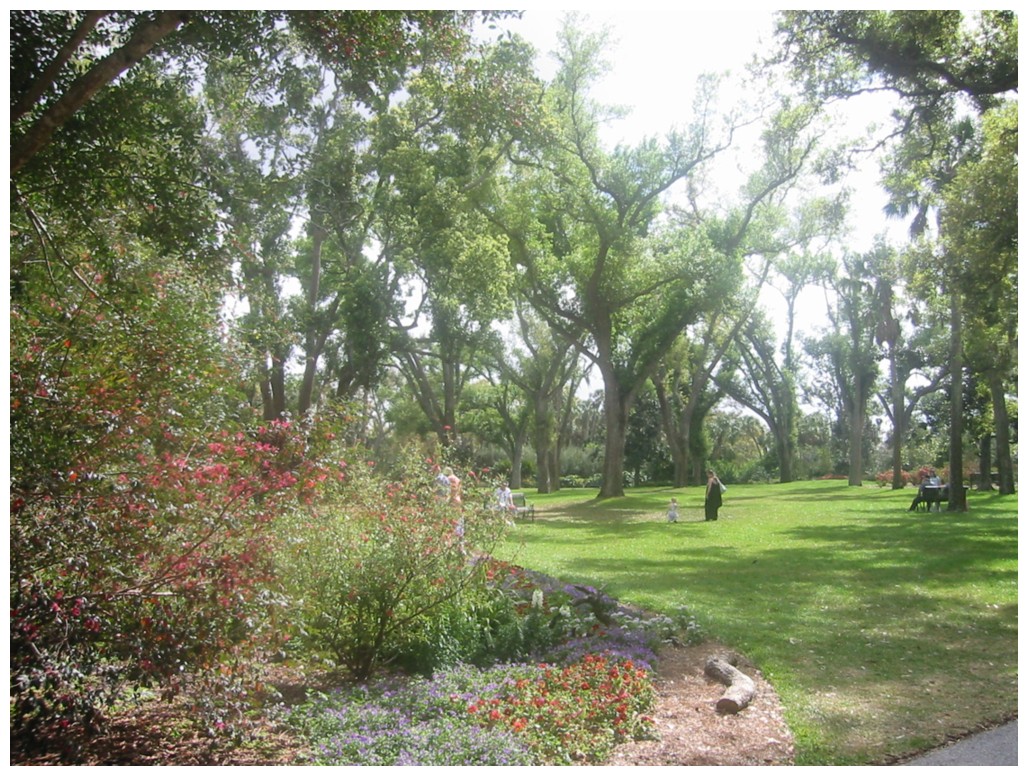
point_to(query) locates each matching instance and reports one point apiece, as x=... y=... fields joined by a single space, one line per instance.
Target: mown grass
x=883 y=631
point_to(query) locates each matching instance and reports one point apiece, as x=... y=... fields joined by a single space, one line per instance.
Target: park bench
x=935 y=494
x=521 y=505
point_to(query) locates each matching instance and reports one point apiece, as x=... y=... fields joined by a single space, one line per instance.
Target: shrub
x=375 y=562
x=884 y=479
x=149 y=579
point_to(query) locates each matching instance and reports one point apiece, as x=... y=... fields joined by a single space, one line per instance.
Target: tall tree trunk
x=312 y=349
x=898 y=416
x=553 y=468
x=515 y=463
x=543 y=438
x=985 y=462
x=48 y=77
x=615 y=409
x=677 y=438
x=1004 y=460
x=957 y=497
x=856 y=447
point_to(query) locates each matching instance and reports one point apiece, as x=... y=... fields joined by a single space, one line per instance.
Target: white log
x=741 y=689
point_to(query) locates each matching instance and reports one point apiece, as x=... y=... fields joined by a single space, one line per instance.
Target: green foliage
x=139 y=536
x=577 y=713
x=363 y=728
x=979 y=222
x=922 y=54
x=378 y=557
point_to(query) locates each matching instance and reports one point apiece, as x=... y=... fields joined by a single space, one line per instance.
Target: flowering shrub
x=140 y=540
x=588 y=689
x=884 y=479
x=414 y=722
x=150 y=577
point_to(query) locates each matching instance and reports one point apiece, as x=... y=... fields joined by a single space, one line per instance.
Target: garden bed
x=690 y=730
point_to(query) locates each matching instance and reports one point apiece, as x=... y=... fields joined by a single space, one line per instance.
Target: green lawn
x=882 y=630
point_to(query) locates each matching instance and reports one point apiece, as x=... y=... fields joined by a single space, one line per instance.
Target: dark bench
x=521 y=505
x=935 y=494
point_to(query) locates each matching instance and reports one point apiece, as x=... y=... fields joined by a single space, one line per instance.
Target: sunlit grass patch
x=882 y=630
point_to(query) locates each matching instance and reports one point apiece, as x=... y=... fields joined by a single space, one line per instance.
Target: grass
x=883 y=631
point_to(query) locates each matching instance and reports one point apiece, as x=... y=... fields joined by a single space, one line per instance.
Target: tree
x=979 y=229
x=142 y=492
x=686 y=394
x=848 y=353
x=768 y=389
x=926 y=57
x=547 y=373
x=454 y=127
x=938 y=62
x=144 y=32
x=584 y=229
x=56 y=56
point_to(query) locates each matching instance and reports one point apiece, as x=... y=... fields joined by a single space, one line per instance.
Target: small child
x=672 y=513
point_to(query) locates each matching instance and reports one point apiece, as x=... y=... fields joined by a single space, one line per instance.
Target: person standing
x=454 y=481
x=672 y=513
x=712 y=501
x=504 y=498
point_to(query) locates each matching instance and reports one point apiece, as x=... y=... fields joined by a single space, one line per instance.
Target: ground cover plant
x=882 y=630
x=583 y=685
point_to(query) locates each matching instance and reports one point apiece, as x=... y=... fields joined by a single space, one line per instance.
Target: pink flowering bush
x=142 y=504
x=884 y=479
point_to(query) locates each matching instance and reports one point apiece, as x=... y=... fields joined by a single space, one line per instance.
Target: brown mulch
x=691 y=731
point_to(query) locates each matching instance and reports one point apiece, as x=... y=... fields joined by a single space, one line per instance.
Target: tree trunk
x=985 y=462
x=616 y=416
x=1004 y=461
x=957 y=495
x=677 y=441
x=277 y=379
x=856 y=449
x=310 y=368
x=898 y=430
x=48 y=77
x=543 y=438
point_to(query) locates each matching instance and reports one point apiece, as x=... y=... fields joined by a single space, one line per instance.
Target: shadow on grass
x=889 y=630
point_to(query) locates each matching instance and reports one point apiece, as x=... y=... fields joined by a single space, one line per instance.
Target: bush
x=884 y=479
x=379 y=727
x=148 y=580
x=376 y=561
x=574 y=714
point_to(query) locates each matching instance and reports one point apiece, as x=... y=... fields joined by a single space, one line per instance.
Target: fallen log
x=741 y=689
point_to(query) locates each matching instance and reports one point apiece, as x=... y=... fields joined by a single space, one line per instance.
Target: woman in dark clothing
x=712 y=501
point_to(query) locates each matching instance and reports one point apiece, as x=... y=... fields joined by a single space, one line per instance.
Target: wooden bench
x=522 y=507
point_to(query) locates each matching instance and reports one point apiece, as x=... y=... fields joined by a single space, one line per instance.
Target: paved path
x=991 y=747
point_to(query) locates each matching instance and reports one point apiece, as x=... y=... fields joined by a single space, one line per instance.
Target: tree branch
x=143 y=39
